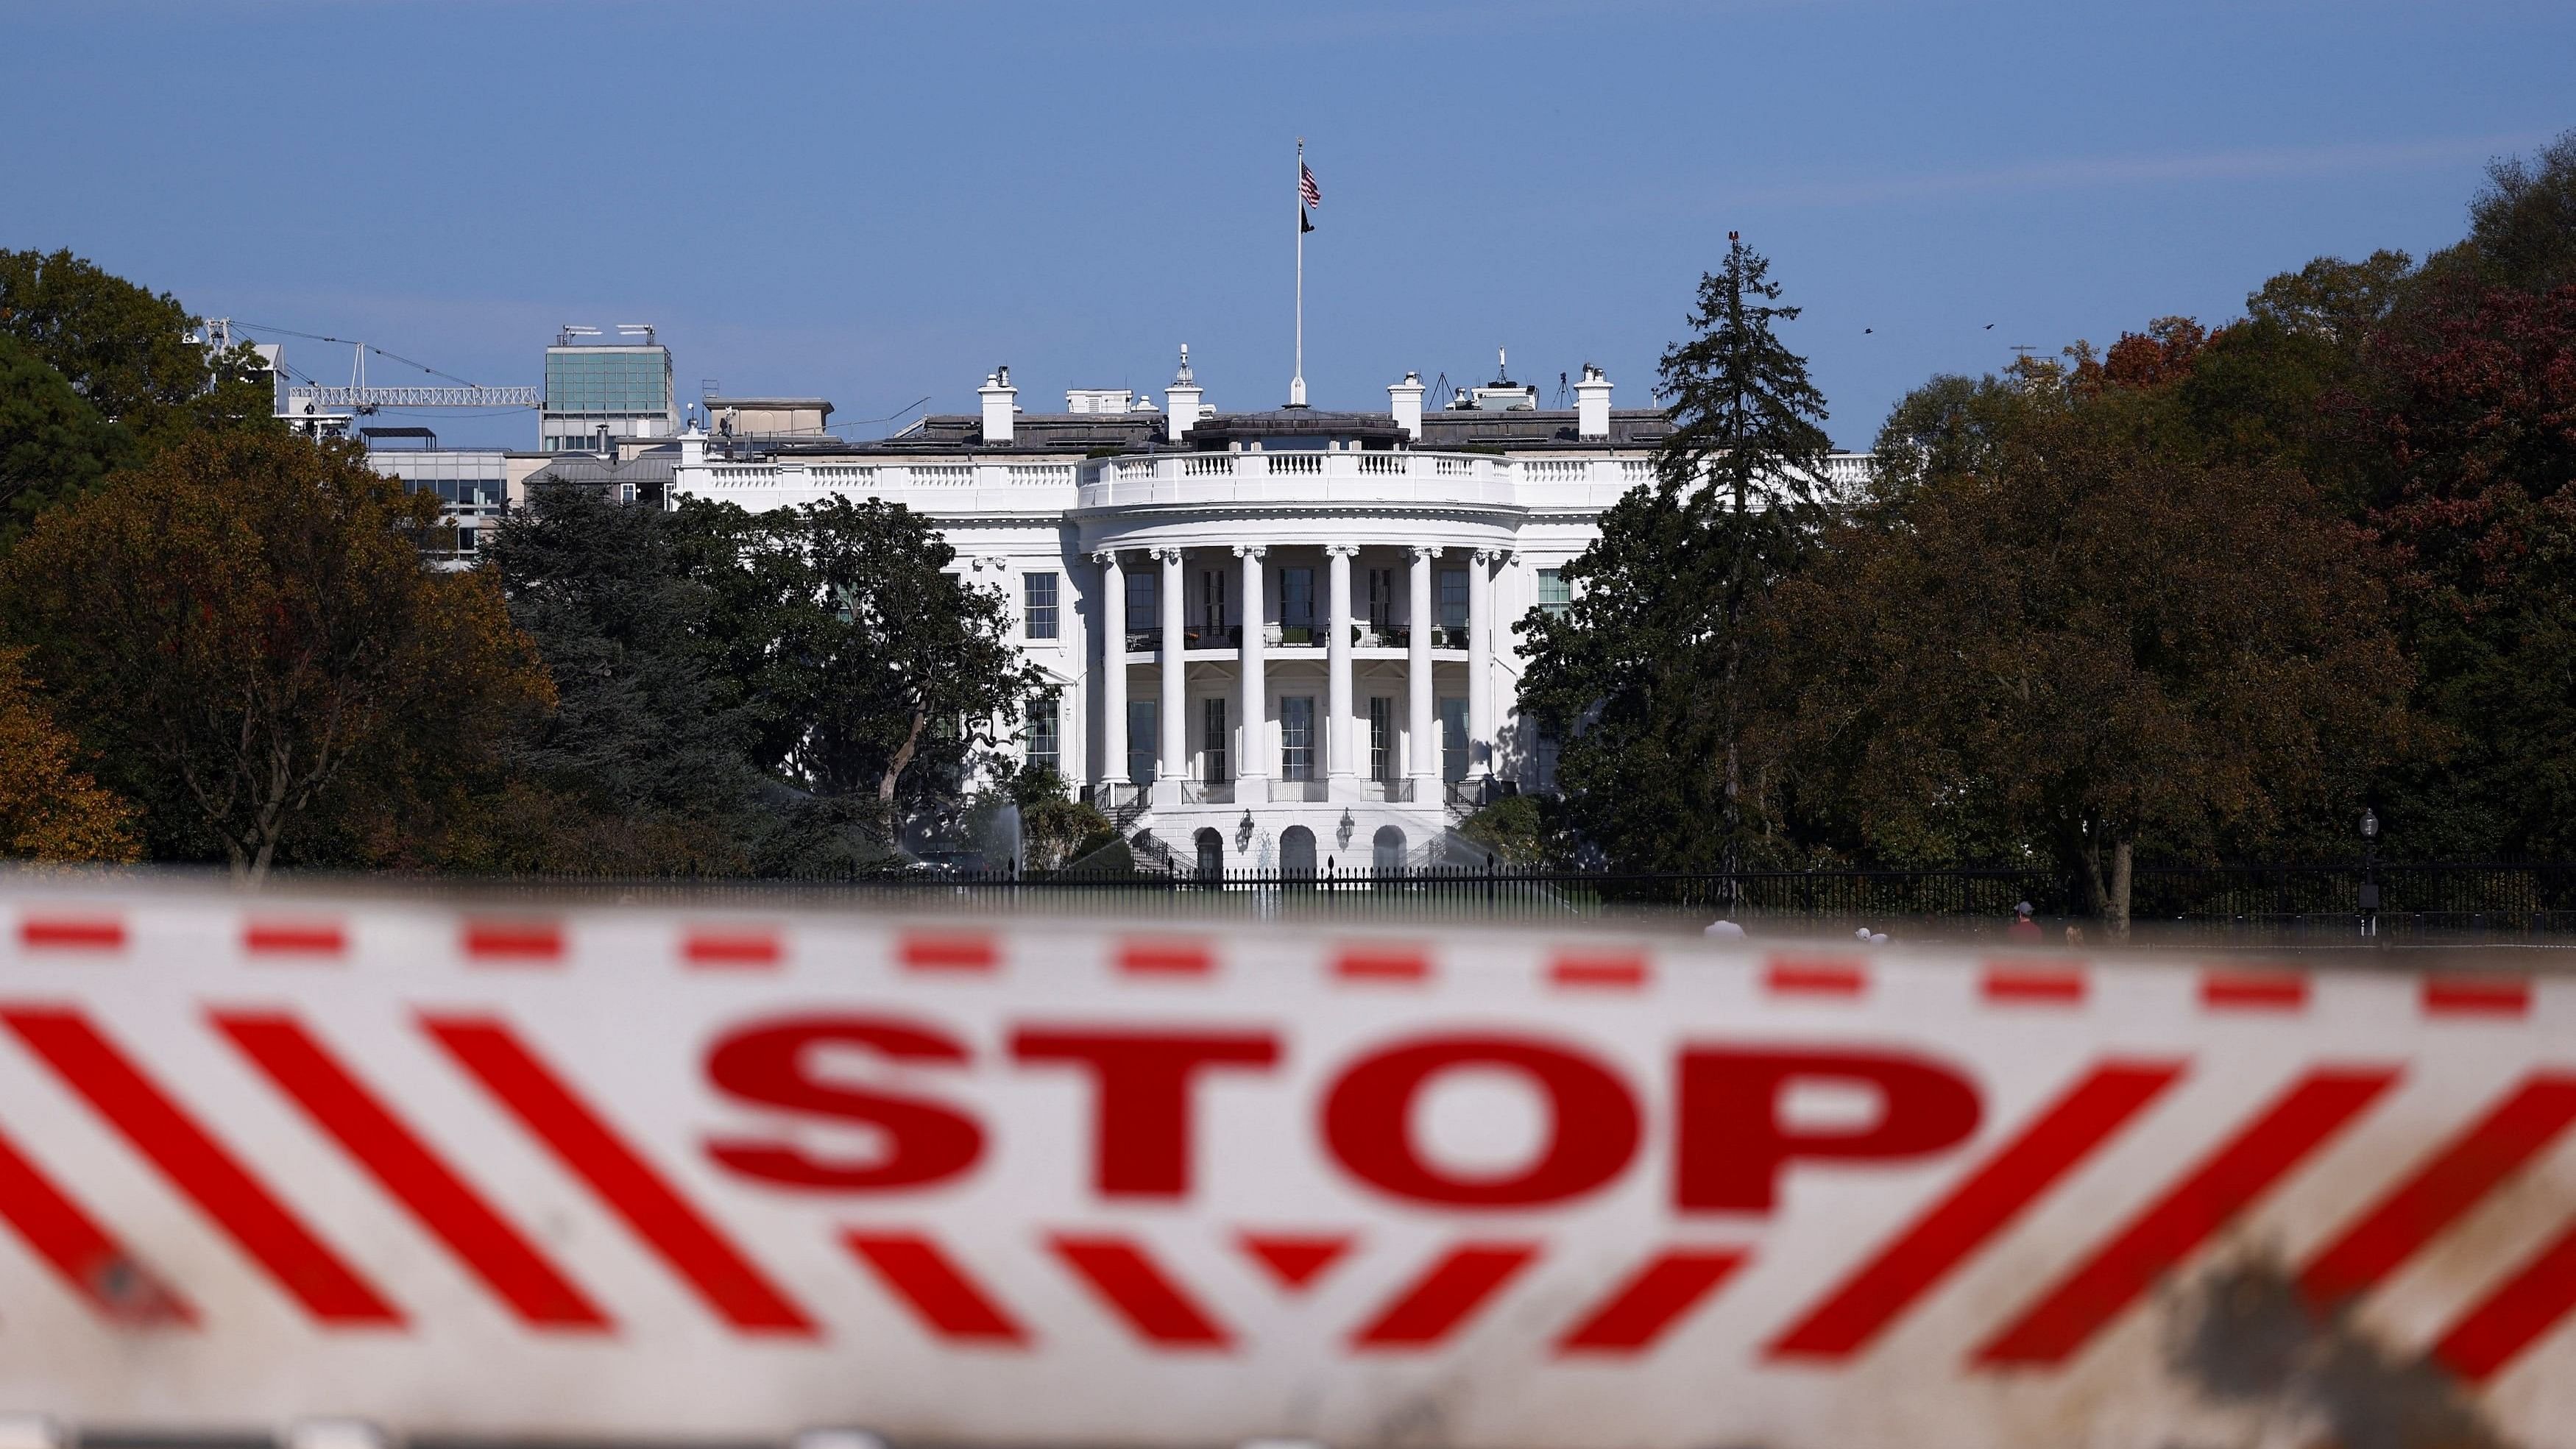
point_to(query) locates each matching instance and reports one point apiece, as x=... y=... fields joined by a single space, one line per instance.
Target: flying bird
x=1867 y=330
x=1990 y=327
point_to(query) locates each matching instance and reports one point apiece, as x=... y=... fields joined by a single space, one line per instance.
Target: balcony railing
x=1144 y=641
x=1207 y=792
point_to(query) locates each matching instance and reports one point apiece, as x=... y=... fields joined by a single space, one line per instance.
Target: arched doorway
x=1297 y=853
x=1387 y=850
x=1211 y=862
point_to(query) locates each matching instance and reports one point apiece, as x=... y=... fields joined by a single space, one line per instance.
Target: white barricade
x=365 y=1171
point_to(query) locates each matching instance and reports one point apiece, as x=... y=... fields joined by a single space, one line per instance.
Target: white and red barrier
x=664 y=1174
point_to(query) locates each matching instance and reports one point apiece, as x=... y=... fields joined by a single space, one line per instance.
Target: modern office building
x=472 y=484
x=1277 y=639
x=606 y=389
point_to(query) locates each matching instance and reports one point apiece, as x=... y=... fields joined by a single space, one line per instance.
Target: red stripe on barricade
x=1790 y=977
x=2034 y=985
x=720 y=947
x=935 y=1288
x=946 y=951
x=2224 y=1184
x=525 y=943
x=71 y=933
x=406 y=1169
x=1381 y=963
x=2513 y=1316
x=1151 y=1303
x=1600 y=973
x=1165 y=958
x=1295 y=1259
x=86 y=1257
x=1438 y=1304
x=2253 y=990
x=2441 y=1191
x=2490 y=996
x=199 y=1167
x=628 y=1186
x=294 y=938
x=1643 y=1309
x=1983 y=1205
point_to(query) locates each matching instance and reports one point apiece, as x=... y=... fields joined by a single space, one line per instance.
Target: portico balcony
x=1449 y=480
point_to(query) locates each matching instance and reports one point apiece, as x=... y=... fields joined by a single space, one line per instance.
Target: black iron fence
x=2247 y=904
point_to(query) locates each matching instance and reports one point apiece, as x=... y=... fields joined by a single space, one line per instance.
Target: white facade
x=1285 y=635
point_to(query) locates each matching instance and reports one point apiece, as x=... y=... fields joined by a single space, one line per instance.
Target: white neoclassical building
x=1279 y=640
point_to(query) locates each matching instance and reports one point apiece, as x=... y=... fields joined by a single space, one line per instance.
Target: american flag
x=1306 y=191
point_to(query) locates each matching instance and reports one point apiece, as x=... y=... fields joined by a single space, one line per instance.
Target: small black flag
x=1305 y=223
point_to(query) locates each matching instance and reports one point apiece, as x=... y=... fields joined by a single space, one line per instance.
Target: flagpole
x=1297 y=384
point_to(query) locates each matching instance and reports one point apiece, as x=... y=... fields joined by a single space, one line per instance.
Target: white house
x=1279 y=640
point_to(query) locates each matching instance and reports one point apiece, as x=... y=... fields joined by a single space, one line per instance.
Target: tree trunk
x=2115 y=914
x=902 y=757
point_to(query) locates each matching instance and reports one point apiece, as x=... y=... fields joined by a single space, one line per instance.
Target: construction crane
x=327 y=409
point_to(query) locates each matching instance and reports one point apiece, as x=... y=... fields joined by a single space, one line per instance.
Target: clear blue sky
x=872 y=203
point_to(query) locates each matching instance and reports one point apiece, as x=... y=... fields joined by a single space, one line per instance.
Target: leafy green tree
x=644 y=765
x=125 y=349
x=874 y=676
x=1652 y=673
x=1056 y=829
x=53 y=445
x=242 y=631
x=2522 y=227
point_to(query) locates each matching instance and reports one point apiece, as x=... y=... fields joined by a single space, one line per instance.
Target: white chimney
x=1404 y=399
x=1000 y=402
x=1592 y=404
x=1181 y=399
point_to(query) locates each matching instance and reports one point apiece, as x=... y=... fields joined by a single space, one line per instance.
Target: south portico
x=1332 y=663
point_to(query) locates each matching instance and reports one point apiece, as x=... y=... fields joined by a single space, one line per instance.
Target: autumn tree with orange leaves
x=245 y=635
x=50 y=809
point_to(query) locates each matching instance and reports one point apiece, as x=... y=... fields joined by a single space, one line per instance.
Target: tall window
x=1140 y=601
x=1453 y=599
x=1453 y=739
x=1041 y=605
x=1144 y=717
x=1297 y=601
x=1381 y=737
x=1381 y=599
x=1297 y=737
x=1212 y=600
x=1212 y=719
x=1547 y=754
x=1553 y=594
x=1045 y=743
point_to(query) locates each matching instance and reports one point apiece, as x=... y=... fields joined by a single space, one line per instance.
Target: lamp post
x=2369 y=871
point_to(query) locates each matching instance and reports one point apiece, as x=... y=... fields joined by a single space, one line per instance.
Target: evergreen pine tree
x=1652 y=669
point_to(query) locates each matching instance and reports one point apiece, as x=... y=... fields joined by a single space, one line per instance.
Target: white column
x=1252 y=773
x=1111 y=626
x=1341 y=778
x=1422 y=748
x=1174 y=757
x=1480 y=654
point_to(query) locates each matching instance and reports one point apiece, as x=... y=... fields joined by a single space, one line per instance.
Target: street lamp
x=2369 y=871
